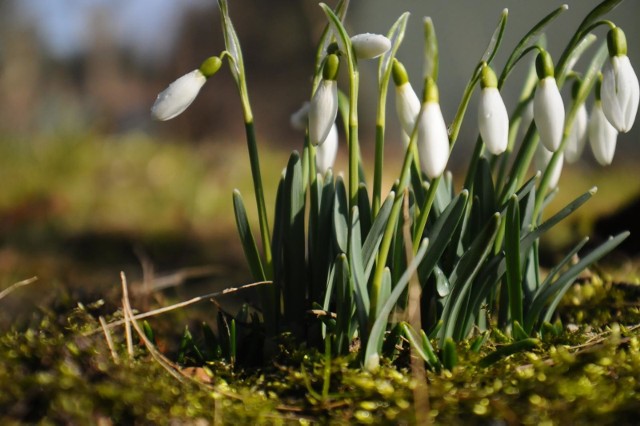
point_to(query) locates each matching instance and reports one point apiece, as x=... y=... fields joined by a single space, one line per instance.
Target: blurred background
x=91 y=185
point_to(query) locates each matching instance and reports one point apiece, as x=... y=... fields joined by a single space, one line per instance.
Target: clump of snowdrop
x=548 y=109
x=324 y=103
x=493 y=119
x=620 y=88
x=176 y=98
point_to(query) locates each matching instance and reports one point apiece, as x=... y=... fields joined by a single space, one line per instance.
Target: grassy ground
x=76 y=210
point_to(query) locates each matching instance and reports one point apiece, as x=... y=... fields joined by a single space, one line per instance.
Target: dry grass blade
x=421 y=390
x=15 y=286
x=128 y=314
x=107 y=335
x=183 y=304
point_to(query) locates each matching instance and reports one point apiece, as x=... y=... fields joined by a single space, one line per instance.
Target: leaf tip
x=593 y=190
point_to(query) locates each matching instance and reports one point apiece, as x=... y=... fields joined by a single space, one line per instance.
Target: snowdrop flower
x=407 y=102
x=493 y=119
x=300 y=118
x=181 y=93
x=602 y=135
x=541 y=161
x=620 y=88
x=369 y=46
x=324 y=104
x=548 y=109
x=327 y=152
x=578 y=134
x=433 y=138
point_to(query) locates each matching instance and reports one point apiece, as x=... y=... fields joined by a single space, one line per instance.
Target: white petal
x=541 y=161
x=369 y=46
x=620 y=93
x=323 y=111
x=327 y=152
x=577 y=137
x=178 y=96
x=300 y=118
x=602 y=136
x=548 y=113
x=407 y=106
x=493 y=121
x=433 y=141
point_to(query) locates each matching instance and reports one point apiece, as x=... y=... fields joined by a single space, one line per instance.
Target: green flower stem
x=354 y=148
x=424 y=214
x=258 y=188
x=378 y=163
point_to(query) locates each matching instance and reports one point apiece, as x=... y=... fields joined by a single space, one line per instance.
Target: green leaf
x=344 y=304
x=372 y=242
x=357 y=274
x=526 y=41
x=512 y=252
x=246 y=237
x=507 y=350
x=422 y=347
x=496 y=38
x=449 y=354
x=365 y=210
x=456 y=315
x=380 y=324
x=294 y=290
x=545 y=303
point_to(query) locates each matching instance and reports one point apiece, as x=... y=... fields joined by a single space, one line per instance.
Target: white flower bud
x=433 y=140
x=323 y=111
x=369 y=46
x=541 y=161
x=493 y=120
x=407 y=107
x=327 y=152
x=602 y=135
x=577 y=137
x=620 y=92
x=178 y=96
x=548 y=113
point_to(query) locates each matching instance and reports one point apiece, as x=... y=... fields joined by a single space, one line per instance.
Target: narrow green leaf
x=449 y=354
x=246 y=237
x=364 y=209
x=496 y=38
x=507 y=350
x=372 y=242
x=512 y=251
x=379 y=326
x=357 y=274
x=422 y=347
x=340 y=216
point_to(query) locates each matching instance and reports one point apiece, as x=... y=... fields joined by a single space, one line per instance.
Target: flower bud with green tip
x=493 y=119
x=602 y=135
x=620 y=87
x=541 y=161
x=433 y=137
x=369 y=46
x=181 y=93
x=407 y=102
x=548 y=109
x=324 y=104
x=578 y=135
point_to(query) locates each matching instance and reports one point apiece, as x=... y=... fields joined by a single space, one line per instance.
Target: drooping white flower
x=548 y=109
x=300 y=118
x=181 y=93
x=602 y=135
x=324 y=104
x=577 y=137
x=433 y=137
x=548 y=113
x=407 y=102
x=369 y=46
x=493 y=119
x=541 y=162
x=620 y=87
x=327 y=152
x=173 y=100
